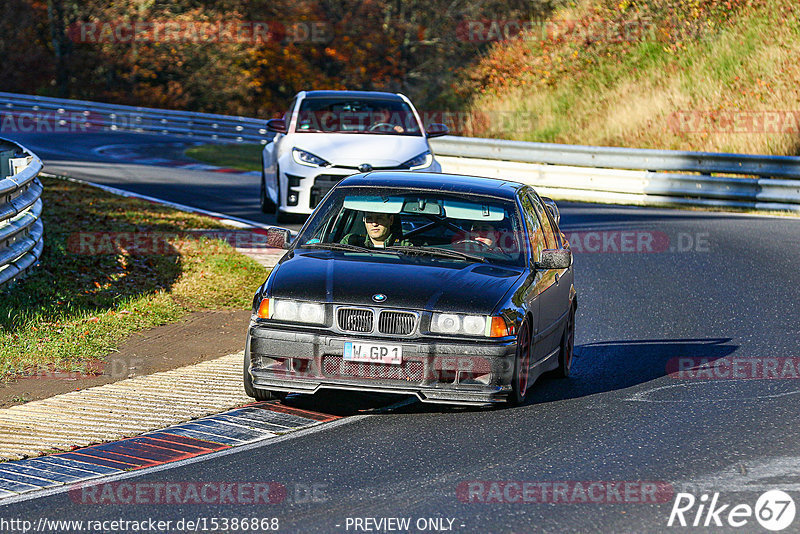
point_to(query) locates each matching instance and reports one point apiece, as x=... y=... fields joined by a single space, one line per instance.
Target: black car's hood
x=408 y=282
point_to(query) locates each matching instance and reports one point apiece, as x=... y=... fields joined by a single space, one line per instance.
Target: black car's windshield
x=354 y=115
x=442 y=225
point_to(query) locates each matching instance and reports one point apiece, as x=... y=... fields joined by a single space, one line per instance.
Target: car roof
x=452 y=183
x=353 y=94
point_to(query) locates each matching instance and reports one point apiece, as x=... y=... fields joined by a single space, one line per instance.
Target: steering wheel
x=380 y=125
x=474 y=241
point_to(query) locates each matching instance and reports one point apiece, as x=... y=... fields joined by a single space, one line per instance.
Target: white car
x=328 y=135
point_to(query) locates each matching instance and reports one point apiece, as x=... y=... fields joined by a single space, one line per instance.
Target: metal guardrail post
x=21 y=228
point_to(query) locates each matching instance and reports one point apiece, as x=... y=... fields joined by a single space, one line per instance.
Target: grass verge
x=243 y=156
x=707 y=75
x=77 y=306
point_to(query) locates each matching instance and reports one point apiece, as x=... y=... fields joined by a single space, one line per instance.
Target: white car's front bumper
x=303 y=187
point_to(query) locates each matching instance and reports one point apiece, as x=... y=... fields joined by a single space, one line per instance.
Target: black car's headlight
x=419 y=162
x=470 y=325
x=293 y=311
x=308 y=159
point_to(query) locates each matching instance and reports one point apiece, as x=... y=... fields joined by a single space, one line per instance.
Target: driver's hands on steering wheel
x=396 y=127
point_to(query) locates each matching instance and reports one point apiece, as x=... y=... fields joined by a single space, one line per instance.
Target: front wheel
x=254 y=392
x=522 y=363
x=267 y=205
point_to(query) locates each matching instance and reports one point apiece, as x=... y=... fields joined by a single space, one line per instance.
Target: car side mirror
x=555 y=259
x=436 y=129
x=279 y=237
x=276 y=125
x=553 y=207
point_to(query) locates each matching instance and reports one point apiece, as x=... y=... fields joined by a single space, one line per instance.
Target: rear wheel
x=252 y=391
x=267 y=205
x=567 y=347
x=522 y=363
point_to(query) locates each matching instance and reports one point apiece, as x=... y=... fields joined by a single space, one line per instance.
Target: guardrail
x=21 y=229
x=568 y=172
x=45 y=114
x=629 y=175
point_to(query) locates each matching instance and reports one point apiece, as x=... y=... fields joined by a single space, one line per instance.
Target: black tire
x=522 y=362
x=267 y=205
x=254 y=392
x=565 y=355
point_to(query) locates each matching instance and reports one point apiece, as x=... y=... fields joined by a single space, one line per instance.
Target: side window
x=287 y=117
x=541 y=211
x=535 y=233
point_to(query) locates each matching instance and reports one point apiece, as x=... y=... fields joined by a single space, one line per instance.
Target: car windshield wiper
x=444 y=253
x=341 y=246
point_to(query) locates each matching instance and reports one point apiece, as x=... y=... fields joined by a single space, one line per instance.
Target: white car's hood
x=352 y=150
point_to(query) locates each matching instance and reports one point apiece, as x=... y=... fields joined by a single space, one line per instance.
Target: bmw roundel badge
x=365 y=167
x=379 y=297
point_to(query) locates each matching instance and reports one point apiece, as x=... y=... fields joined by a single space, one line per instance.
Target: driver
x=380 y=232
x=484 y=233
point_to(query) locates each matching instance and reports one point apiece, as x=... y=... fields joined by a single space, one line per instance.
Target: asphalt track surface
x=732 y=293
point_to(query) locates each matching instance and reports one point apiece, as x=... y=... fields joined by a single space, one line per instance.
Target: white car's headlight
x=292 y=310
x=308 y=159
x=419 y=162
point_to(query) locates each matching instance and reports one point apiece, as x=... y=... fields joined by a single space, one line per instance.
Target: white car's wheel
x=267 y=205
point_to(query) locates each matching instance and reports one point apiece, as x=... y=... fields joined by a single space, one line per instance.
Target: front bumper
x=476 y=373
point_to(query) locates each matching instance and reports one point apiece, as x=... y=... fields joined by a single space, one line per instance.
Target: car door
x=554 y=299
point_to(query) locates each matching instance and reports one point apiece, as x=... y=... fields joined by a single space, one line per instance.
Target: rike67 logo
x=774 y=510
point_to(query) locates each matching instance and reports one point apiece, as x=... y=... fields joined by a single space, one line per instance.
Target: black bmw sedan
x=455 y=289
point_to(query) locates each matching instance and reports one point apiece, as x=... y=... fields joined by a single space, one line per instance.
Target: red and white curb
x=150 y=420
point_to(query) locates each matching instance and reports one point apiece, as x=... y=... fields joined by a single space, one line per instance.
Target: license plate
x=372 y=353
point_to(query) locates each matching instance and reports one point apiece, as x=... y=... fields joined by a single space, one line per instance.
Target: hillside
x=689 y=74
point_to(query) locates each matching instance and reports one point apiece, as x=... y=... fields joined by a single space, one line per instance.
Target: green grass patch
x=77 y=307
x=699 y=59
x=243 y=156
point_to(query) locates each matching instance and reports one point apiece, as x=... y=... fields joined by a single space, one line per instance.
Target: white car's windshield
x=420 y=223
x=354 y=115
